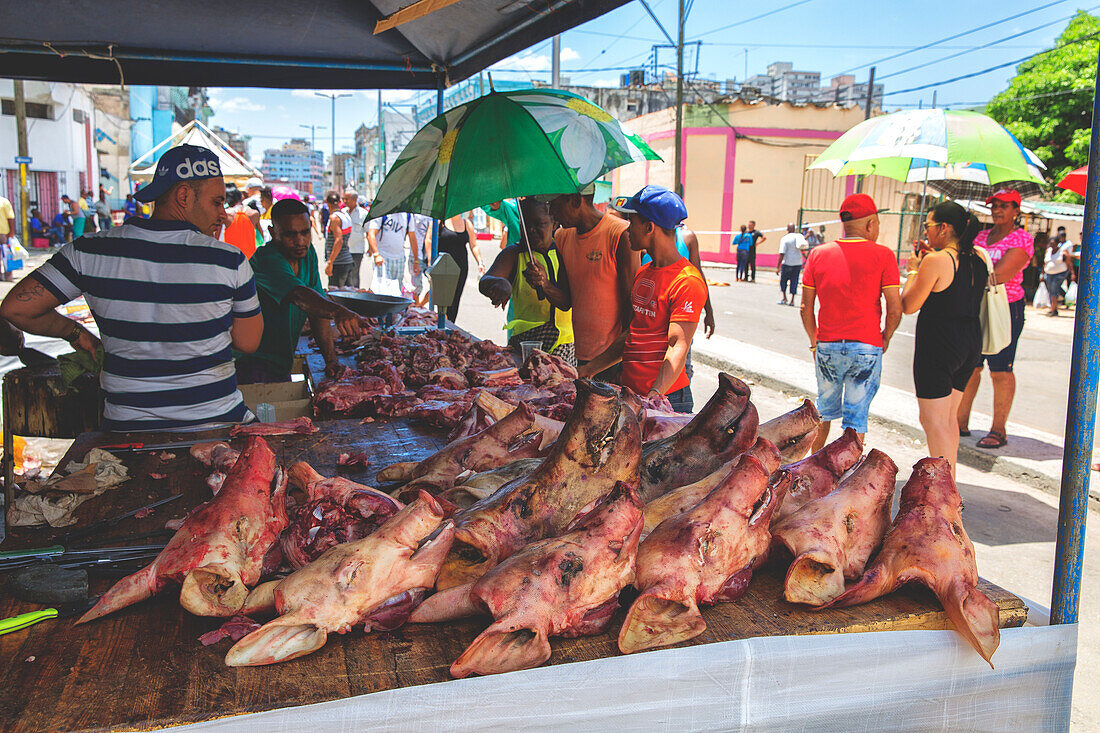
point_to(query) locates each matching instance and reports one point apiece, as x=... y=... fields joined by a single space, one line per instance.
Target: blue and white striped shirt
x=164 y=296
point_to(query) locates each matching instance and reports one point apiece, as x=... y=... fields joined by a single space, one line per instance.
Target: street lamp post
x=312 y=133
x=333 y=97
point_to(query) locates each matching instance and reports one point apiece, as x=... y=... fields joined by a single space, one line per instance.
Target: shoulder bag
x=994 y=314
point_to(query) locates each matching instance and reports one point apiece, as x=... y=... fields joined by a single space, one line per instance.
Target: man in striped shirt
x=169 y=300
x=668 y=296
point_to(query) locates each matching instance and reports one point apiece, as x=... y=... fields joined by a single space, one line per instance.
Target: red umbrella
x=1076 y=181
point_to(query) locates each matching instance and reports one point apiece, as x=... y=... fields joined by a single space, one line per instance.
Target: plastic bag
x=1042 y=297
x=17 y=250
x=1071 y=294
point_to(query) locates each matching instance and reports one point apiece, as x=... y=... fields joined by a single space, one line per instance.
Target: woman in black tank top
x=946 y=287
x=455 y=235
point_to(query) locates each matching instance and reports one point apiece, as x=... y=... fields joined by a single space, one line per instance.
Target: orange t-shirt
x=592 y=269
x=660 y=295
x=241 y=234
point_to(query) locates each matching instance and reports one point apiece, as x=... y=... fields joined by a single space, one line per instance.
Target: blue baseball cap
x=181 y=163
x=656 y=203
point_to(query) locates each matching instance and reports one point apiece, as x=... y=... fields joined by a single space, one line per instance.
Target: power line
x=760 y=16
x=618 y=38
x=987 y=45
x=950 y=38
x=992 y=68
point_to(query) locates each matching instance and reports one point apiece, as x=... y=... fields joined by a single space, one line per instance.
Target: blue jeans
x=848 y=376
x=788 y=276
x=742 y=264
x=681 y=400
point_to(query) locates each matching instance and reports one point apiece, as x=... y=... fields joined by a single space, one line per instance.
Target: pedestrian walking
x=850 y=277
x=945 y=285
x=757 y=238
x=357 y=238
x=387 y=241
x=76 y=214
x=792 y=251
x=743 y=244
x=455 y=236
x=338 y=261
x=1010 y=248
x=1057 y=269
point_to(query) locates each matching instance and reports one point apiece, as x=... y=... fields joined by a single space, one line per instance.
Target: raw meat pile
x=436 y=376
x=557 y=519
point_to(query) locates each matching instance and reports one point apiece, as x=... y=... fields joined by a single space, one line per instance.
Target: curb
x=969 y=455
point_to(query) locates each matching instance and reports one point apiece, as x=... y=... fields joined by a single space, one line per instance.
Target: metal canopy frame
x=281 y=44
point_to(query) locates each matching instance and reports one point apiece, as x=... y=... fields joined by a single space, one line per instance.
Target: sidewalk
x=1031 y=456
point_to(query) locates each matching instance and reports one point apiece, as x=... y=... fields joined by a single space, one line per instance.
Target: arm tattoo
x=33 y=292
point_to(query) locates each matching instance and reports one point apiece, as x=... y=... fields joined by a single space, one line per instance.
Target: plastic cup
x=526 y=347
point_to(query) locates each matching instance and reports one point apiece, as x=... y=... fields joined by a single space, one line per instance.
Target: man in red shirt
x=850 y=277
x=667 y=298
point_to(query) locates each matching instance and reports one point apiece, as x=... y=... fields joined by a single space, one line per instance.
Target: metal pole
x=555 y=61
x=23 y=151
x=1081 y=416
x=676 y=176
x=437 y=223
x=867 y=116
x=332 y=158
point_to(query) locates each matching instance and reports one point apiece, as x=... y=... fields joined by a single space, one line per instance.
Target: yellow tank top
x=526 y=311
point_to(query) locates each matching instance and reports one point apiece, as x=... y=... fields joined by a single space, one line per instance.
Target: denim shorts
x=848 y=377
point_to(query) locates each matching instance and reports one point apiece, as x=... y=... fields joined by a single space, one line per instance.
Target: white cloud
x=568 y=54
x=534 y=62
x=235 y=104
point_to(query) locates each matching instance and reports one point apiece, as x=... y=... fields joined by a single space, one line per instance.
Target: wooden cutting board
x=144 y=668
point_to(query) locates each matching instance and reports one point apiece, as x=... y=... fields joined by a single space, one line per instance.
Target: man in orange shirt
x=667 y=298
x=597 y=273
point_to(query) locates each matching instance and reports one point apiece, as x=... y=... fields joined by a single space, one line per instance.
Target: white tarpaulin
x=233 y=165
x=899 y=680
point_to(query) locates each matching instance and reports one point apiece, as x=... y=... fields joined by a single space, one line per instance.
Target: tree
x=1048 y=104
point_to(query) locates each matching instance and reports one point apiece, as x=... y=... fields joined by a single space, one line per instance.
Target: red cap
x=857 y=206
x=1007 y=195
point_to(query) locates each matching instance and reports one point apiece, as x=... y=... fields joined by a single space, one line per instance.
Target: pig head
x=793 y=432
x=218 y=552
x=927 y=544
x=703 y=555
x=598 y=447
x=514 y=436
x=817 y=475
x=562 y=586
x=723 y=429
x=375 y=581
x=831 y=538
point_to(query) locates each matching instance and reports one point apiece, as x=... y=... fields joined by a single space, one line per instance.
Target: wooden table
x=144 y=668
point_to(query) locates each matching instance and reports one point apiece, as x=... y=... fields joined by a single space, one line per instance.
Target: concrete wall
x=746 y=161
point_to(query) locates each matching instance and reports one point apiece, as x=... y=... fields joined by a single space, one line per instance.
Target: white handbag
x=995 y=316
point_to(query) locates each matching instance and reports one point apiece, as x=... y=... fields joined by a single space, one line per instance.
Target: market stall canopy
x=281 y=43
x=234 y=167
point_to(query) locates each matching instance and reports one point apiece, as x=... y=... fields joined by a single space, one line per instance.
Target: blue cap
x=181 y=163
x=656 y=203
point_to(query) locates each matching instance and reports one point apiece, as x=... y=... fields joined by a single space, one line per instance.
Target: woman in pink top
x=1010 y=248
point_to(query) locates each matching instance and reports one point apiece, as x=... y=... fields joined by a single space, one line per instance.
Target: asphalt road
x=749 y=312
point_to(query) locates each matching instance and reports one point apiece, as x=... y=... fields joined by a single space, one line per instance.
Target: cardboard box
x=291 y=399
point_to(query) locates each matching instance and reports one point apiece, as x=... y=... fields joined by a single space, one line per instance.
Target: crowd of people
x=618 y=293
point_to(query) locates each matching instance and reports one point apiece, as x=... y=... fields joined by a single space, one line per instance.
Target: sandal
x=993 y=439
x=964 y=433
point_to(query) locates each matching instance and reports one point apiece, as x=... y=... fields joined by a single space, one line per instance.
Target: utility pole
x=21 y=148
x=333 y=98
x=676 y=175
x=867 y=116
x=312 y=133
x=555 y=61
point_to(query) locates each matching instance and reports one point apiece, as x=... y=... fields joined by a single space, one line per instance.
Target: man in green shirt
x=289 y=287
x=507 y=213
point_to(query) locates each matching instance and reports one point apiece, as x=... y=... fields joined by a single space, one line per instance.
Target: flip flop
x=964 y=433
x=993 y=440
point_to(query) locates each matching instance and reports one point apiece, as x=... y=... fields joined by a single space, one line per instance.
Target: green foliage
x=1048 y=104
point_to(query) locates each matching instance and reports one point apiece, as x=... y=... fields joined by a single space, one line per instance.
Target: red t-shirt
x=660 y=295
x=848 y=276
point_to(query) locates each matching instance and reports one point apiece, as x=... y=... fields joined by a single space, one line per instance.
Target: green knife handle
x=23 y=620
x=32 y=552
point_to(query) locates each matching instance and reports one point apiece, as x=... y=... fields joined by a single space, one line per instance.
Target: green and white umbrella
x=932 y=144
x=504 y=145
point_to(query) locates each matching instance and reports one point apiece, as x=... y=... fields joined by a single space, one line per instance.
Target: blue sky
x=817 y=35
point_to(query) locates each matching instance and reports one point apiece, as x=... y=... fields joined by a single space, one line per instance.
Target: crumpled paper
x=99 y=471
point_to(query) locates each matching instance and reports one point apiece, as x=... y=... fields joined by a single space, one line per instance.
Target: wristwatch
x=75 y=333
